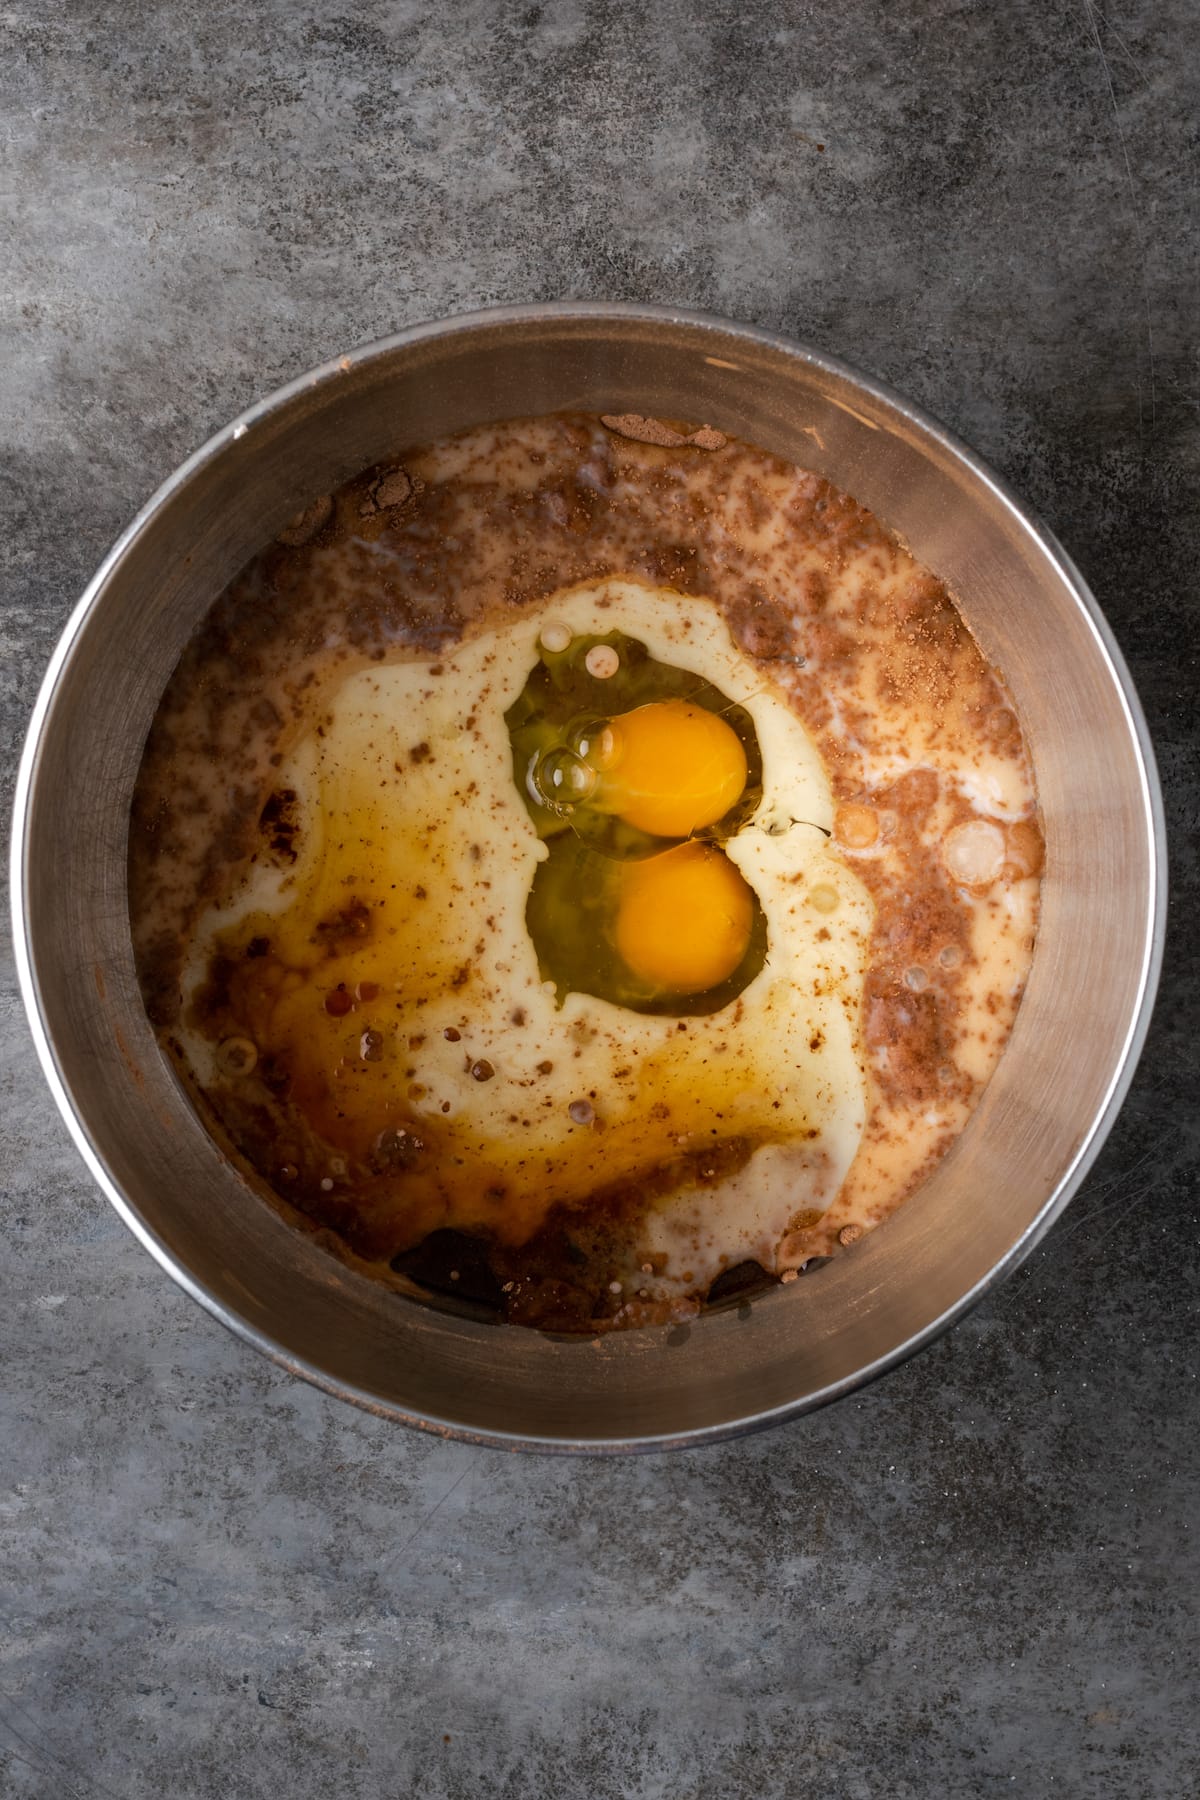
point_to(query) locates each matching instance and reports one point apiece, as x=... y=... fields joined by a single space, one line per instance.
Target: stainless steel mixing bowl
x=1041 y=1120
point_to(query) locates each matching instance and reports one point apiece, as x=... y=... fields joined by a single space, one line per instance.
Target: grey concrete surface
x=980 y=1576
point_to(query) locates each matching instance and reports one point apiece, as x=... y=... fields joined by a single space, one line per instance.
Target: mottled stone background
x=978 y=1577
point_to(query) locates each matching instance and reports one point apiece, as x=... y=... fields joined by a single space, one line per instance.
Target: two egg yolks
x=684 y=917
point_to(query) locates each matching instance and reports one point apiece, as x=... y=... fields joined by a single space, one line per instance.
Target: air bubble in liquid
x=602 y=662
x=974 y=852
x=564 y=779
x=554 y=636
x=595 y=742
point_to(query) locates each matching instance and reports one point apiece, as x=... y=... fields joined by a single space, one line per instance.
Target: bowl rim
x=1043 y=540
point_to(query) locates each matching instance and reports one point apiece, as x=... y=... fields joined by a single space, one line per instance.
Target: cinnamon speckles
x=707 y=439
x=765 y=631
x=643 y=430
x=303 y=526
x=394 y=489
x=347 y=926
x=280 y=824
x=391 y=491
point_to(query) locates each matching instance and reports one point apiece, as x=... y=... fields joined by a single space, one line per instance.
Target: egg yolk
x=684 y=918
x=670 y=768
